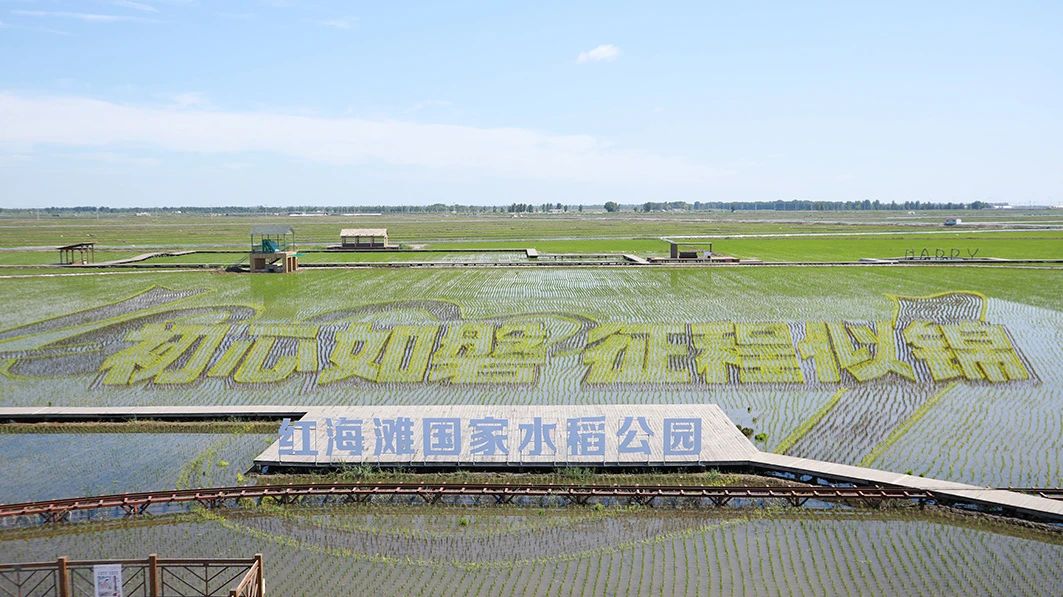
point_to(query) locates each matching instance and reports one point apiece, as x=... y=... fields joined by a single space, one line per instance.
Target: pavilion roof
x=272 y=229
x=76 y=246
x=364 y=232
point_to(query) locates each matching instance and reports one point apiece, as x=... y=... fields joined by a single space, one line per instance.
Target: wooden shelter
x=364 y=238
x=689 y=250
x=273 y=249
x=86 y=253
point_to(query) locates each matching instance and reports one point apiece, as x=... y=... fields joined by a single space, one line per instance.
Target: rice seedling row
x=804 y=555
x=104 y=463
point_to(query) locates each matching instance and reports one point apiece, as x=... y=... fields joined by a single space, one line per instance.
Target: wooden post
x=63 y=574
x=261 y=580
x=154 y=589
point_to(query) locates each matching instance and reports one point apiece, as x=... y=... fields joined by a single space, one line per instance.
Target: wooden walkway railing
x=150 y=577
x=136 y=504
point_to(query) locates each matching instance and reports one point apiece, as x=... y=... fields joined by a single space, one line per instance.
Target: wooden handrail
x=135 y=504
x=252 y=581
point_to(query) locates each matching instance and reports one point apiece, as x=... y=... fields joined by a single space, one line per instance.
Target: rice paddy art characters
x=948 y=332
x=459 y=352
x=966 y=350
x=637 y=353
x=85 y=352
x=931 y=339
x=182 y=350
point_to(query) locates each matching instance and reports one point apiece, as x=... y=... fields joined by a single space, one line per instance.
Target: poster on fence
x=107 y=580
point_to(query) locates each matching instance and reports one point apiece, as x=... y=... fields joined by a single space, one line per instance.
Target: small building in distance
x=953 y=221
x=363 y=238
x=694 y=250
x=689 y=250
x=273 y=249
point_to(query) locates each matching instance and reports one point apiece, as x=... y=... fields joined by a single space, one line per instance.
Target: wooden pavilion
x=86 y=253
x=364 y=238
x=689 y=250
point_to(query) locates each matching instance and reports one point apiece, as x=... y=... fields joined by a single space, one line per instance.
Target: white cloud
x=81 y=16
x=602 y=53
x=77 y=122
x=190 y=98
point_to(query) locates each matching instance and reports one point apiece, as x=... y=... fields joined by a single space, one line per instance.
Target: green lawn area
x=308 y=257
x=201 y=257
x=1012 y=245
x=1009 y=245
x=638 y=246
x=396 y=256
x=626 y=232
x=174 y=231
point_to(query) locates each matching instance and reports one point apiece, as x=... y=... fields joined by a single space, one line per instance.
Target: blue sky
x=184 y=102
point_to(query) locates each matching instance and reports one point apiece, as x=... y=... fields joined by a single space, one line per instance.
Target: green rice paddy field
x=409 y=550
x=835 y=237
x=57 y=357
x=74 y=340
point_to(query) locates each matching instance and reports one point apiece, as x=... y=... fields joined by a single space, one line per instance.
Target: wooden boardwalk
x=141 y=257
x=1032 y=505
x=66 y=414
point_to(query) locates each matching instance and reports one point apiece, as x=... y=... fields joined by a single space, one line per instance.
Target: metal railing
x=149 y=577
x=138 y=503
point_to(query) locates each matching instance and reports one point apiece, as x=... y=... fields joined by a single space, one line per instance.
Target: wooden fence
x=150 y=577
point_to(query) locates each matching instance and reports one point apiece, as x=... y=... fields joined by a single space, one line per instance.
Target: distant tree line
x=513 y=208
x=799 y=205
x=258 y=210
x=520 y=208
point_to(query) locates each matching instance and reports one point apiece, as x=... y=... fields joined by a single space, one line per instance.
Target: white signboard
x=509 y=435
x=107 y=580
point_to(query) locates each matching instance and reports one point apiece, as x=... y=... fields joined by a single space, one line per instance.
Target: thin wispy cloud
x=142 y=7
x=429 y=104
x=80 y=16
x=335 y=23
x=4 y=25
x=602 y=53
x=119 y=159
x=84 y=123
